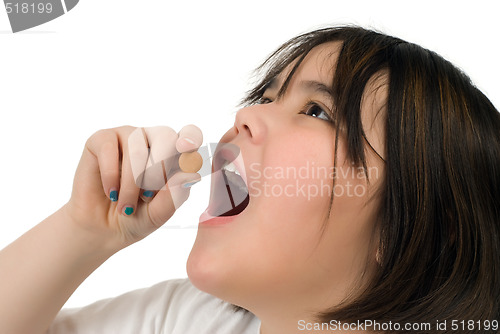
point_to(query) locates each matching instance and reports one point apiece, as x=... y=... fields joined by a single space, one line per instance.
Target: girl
x=365 y=196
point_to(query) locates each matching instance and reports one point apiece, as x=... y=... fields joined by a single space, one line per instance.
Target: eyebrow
x=309 y=85
x=317 y=87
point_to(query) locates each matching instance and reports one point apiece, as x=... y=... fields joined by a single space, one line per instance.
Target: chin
x=204 y=272
x=211 y=275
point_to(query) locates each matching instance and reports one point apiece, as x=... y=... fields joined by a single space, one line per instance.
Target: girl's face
x=286 y=250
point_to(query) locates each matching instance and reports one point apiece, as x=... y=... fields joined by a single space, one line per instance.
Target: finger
x=104 y=145
x=190 y=139
x=138 y=149
x=135 y=155
x=162 y=154
x=169 y=199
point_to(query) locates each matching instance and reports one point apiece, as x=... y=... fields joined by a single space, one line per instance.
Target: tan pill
x=190 y=162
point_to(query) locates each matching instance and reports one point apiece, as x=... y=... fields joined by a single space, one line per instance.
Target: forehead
x=319 y=65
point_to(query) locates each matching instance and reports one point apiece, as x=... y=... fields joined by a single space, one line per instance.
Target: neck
x=292 y=315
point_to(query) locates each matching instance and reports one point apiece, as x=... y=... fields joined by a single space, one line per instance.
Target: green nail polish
x=148 y=193
x=113 y=195
x=129 y=210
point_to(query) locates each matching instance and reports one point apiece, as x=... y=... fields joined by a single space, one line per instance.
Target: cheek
x=293 y=192
x=297 y=170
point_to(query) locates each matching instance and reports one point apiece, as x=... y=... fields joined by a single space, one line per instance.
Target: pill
x=190 y=162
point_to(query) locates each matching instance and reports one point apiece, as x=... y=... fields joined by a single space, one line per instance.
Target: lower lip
x=207 y=220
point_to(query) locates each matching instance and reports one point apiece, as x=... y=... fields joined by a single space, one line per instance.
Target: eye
x=264 y=100
x=314 y=110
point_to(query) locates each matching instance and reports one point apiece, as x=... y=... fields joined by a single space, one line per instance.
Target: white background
x=151 y=62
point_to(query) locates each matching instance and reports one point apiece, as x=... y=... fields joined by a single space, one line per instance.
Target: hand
x=119 y=191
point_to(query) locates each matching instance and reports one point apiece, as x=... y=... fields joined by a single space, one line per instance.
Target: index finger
x=104 y=146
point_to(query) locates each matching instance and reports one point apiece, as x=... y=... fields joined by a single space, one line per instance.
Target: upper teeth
x=230 y=167
x=234 y=180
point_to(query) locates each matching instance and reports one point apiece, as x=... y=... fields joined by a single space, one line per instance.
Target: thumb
x=171 y=197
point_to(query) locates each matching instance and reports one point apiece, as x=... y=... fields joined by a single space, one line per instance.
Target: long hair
x=439 y=217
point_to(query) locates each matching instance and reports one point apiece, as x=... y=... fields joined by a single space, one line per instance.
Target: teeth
x=234 y=176
x=230 y=167
x=237 y=183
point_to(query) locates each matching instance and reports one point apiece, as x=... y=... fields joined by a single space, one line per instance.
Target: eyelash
x=310 y=106
x=264 y=100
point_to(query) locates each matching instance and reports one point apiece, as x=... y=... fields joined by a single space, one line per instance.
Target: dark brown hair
x=439 y=217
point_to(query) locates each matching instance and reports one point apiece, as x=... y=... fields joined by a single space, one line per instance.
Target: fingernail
x=128 y=210
x=148 y=193
x=189 y=140
x=189 y=184
x=113 y=195
x=185 y=144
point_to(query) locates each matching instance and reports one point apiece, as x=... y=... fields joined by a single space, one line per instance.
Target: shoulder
x=173 y=306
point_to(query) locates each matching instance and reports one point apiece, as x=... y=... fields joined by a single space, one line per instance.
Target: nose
x=250 y=123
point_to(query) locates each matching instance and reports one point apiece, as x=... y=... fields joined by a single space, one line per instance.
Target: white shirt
x=171 y=307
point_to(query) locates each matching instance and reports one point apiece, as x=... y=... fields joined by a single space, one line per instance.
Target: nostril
x=246 y=129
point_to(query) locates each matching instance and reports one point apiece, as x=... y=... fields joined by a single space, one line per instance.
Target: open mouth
x=229 y=192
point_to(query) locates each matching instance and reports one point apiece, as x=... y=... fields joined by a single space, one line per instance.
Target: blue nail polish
x=113 y=195
x=148 y=193
x=129 y=210
x=189 y=184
